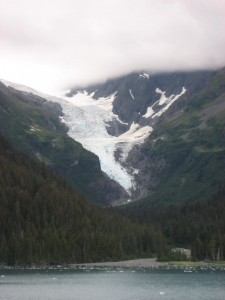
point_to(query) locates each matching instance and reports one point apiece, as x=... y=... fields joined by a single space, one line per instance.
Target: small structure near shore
x=186 y=252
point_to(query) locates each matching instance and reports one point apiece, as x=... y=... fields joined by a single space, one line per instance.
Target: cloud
x=54 y=44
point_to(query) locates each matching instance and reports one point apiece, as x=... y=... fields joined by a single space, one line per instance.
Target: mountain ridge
x=188 y=152
x=137 y=122
x=139 y=100
x=33 y=125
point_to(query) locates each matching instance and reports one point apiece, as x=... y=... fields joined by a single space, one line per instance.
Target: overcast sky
x=53 y=44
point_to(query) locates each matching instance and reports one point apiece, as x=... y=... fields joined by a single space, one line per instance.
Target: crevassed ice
x=87 y=120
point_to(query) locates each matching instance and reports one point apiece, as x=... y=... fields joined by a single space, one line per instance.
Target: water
x=112 y=284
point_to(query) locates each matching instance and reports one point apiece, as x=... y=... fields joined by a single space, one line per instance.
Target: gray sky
x=53 y=44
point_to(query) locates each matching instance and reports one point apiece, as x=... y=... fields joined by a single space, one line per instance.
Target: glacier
x=87 y=120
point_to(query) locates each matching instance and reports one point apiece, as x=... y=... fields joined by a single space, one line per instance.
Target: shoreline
x=142 y=263
x=134 y=263
x=151 y=263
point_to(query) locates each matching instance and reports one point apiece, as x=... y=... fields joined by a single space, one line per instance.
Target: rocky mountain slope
x=32 y=123
x=187 y=148
x=159 y=136
x=148 y=114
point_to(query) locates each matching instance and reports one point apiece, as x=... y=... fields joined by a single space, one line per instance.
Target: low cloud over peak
x=53 y=44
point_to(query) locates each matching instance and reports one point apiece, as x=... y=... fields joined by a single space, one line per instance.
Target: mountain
x=137 y=92
x=189 y=144
x=165 y=131
x=43 y=221
x=159 y=137
x=33 y=124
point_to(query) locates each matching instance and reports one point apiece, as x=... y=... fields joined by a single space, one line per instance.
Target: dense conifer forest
x=42 y=220
x=199 y=226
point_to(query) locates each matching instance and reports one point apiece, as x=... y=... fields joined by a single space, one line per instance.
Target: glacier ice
x=87 y=119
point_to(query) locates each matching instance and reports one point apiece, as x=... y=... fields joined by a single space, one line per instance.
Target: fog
x=56 y=44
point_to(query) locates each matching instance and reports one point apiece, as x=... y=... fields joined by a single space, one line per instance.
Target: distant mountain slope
x=161 y=137
x=136 y=92
x=43 y=221
x=184 y=157
x=32 y=124
x=164 y=103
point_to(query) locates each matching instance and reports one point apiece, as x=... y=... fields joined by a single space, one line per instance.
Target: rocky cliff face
x=140 y=102
x=136 y=92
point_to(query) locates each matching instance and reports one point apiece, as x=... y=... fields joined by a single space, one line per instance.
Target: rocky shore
x=135 y=263
x=151 y=263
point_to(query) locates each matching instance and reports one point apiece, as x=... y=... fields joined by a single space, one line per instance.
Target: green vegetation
x=42 y=220
x=199 y=226
x=215 y=88
x=192 y=149
x=188 y=205
x=32 y=125
x=173 y=257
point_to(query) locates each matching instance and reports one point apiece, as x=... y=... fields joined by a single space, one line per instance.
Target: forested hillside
x=42 y=220
x=199 y=226
x=188 y=204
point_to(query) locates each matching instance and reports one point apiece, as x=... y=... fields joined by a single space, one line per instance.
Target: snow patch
x=163 y=98
x=132 y=96
x=135 y=171
x=34 y=128
x=168 y=101
x=144 y=75
x=149 y=112
x=164 y=101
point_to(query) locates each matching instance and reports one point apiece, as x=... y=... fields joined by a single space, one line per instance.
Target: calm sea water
x=112 y=284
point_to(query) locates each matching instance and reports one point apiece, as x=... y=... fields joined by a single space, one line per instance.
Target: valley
x=138 y=124
x=155 y=143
